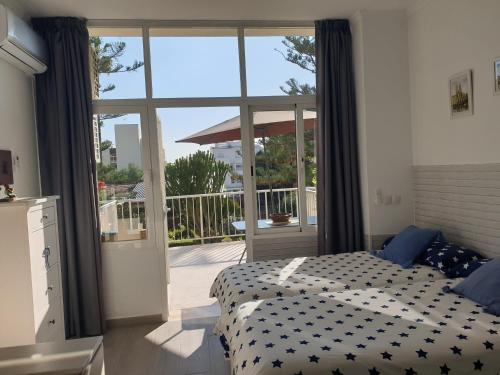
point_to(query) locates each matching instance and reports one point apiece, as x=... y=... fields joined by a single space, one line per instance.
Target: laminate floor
x=177 y=347
x=186 y=343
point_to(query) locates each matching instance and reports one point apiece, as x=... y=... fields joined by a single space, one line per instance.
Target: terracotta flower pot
x=280 y=217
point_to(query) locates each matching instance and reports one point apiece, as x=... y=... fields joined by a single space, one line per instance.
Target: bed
x=402 y=329
x=297 y=276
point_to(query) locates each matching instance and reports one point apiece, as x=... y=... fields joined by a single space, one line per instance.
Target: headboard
x=463 y=201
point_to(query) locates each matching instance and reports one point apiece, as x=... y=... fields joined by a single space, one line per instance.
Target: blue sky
x=198 y=67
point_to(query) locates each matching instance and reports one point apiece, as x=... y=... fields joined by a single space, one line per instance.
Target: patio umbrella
x=266 y=124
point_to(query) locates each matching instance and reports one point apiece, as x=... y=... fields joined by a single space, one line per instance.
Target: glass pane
x=280 y=61
x=310 y=164
x=275 y=172
x=117 y=63
x=203 y=174
x=122 y=195
x=195 y=63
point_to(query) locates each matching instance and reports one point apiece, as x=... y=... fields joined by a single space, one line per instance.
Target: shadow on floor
x=175 y=347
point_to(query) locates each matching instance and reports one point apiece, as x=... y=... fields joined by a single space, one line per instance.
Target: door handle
x=46 y=254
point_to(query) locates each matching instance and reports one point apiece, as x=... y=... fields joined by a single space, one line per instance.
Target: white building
x=128 y=145
x=108 y=156
x=230 y=153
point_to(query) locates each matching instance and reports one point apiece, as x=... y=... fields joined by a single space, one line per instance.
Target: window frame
x=150 y=240
x=151 y=104
x=298 y=109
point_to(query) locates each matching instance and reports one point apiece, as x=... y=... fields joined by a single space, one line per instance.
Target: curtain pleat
x=340 y=222
x=68 y=168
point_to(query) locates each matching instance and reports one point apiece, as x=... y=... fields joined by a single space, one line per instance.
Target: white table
x=240 y=226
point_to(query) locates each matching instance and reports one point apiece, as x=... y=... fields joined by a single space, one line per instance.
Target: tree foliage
x=197 y=173
x=108 y=59
x=276 y=162
x=299 y=50
x=112 y=176
x=108 y=56
x=278 y=165
x=105 y=145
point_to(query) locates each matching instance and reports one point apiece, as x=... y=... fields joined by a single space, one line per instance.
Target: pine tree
x=108 y=59
x=108 y=62
x=299 y=50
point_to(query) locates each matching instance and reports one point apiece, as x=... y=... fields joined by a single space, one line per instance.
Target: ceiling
x=296 y=10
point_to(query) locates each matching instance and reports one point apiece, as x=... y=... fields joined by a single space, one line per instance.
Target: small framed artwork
x=461 y=103
x=496 y=71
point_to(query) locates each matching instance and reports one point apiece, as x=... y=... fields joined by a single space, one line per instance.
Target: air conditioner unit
x=20 y=45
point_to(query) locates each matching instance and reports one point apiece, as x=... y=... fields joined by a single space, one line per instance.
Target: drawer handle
x=53 y=321
x=46 y=254
x=50 y=288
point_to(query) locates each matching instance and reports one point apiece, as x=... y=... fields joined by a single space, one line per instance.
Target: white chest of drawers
x=31 y=303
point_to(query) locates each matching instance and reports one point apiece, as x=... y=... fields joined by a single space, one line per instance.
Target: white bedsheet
x=267 y=279
x=406 y=329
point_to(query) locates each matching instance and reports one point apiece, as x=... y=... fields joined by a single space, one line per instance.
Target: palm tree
x=199 y=173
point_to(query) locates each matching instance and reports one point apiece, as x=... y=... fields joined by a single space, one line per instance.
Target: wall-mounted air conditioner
x=20 y=45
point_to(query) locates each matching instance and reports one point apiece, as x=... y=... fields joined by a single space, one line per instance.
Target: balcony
x=203 y=239
x=198 y=218
x=188 y=295
x=122 y=220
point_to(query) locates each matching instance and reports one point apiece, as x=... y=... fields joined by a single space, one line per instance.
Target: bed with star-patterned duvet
x=328 y=273
x=405 y=329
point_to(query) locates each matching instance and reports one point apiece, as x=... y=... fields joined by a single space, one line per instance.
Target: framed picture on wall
x=460 y=87
x=496 y=72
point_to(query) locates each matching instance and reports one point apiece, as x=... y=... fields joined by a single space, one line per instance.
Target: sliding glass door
x=124 y=176
x=202 y=134
x=203 y=169
x=282 y=167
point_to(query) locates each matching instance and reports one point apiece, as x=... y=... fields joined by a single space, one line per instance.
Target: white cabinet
x=72 y=357
x=31 y=303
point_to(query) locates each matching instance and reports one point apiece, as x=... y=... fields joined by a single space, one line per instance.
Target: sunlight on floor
x=192 y=271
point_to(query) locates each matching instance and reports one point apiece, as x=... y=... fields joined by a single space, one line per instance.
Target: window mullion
x=147 y=62
x=242 y=60
x=301 y=174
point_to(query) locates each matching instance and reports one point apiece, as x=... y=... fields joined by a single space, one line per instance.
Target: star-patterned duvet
x=405 y=329
x=297 y=276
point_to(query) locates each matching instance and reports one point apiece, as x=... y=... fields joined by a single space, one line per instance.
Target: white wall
x=132 y=282
x=380 y=49
x=17 y=128
x=447 y=37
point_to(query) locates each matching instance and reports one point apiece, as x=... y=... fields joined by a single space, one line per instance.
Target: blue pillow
x=406 y=246
x=446 y=257
x=482 y=286
x=466 y=268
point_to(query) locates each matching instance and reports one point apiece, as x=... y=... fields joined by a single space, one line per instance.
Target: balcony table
x=240 y=226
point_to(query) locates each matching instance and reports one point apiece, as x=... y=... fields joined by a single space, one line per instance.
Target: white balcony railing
x=122 y=219
x=201 y=217
x=210 y=216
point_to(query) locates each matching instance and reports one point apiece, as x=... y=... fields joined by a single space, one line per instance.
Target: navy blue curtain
x=340 y=221
x=68 y=168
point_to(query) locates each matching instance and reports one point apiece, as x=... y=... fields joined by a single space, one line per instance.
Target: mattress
x=297 y=276
x=404 y=329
